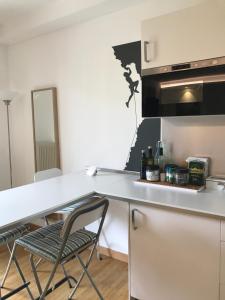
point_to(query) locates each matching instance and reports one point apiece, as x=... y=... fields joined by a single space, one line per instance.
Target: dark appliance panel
x=184 y=93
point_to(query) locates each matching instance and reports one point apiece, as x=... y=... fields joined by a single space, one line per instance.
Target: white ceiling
x=25 y=19
x=10 y=9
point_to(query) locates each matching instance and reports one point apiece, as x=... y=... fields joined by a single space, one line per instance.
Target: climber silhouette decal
x=130 y=58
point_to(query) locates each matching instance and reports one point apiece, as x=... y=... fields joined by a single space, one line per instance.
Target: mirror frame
x=56 y=127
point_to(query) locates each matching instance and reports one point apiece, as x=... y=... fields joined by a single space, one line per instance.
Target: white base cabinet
x=173 y=255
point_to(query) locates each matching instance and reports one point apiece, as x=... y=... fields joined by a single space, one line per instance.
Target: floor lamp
x=7 y=103
x=7 y=98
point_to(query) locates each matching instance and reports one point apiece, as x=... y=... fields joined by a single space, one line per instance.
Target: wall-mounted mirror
x=45 y=129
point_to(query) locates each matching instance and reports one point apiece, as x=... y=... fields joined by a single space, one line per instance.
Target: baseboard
x=114 y=254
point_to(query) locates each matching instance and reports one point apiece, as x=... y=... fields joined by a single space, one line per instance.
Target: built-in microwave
x=196 y=88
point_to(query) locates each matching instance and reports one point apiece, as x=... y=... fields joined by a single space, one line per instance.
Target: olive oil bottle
x=159 y=156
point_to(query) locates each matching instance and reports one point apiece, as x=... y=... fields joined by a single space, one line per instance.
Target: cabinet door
x=184 y=36
x=173 y=255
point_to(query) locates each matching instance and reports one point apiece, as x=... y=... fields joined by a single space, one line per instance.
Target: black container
x=143 y=165
x=197 y=173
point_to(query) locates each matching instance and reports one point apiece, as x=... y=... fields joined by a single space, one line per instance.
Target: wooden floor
x=111 y=277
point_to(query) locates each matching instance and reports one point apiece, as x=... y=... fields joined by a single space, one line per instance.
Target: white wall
x=4 y=154
x=196 y=136
x=95 y=125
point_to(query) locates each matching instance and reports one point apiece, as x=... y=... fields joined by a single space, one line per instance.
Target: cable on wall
x=136 y=128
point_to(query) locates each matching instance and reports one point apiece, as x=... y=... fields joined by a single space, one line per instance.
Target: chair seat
x=46 y=242
x=13 y=234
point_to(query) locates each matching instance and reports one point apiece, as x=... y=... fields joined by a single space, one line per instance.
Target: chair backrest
x=47 y=174
x=92 y=210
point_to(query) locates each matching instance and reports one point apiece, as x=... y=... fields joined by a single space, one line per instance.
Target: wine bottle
x=143 y=165
x=150 y=159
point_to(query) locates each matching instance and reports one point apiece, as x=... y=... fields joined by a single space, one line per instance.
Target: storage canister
x=182 y=176
x=170 y=170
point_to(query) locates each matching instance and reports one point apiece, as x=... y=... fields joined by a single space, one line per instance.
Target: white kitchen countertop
x=209 y=201
x=24 y=204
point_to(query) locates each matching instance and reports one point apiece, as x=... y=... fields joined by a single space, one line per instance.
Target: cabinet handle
x=133 y=218
x=146 y=43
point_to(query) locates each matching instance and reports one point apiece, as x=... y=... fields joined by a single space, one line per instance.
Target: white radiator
x=46 y=155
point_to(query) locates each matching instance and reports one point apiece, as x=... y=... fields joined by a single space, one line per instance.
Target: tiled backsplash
x=196 y=136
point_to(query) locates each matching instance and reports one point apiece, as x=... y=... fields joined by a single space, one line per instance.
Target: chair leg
x=98 y=254
x=38 y=262
x=85 y=267
x=46 y=221
x=42 y=296
x=34 y=270
x=33 y=267
x=13 y=258
x=7 y=269
x=42 y=292
x=66 y=275
x=77 y=285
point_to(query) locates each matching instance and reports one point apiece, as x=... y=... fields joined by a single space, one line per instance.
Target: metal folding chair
x=47 y=174
x=67 y=243
x=8 y=239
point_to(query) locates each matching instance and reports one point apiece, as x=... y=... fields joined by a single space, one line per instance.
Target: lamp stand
x=7 y=103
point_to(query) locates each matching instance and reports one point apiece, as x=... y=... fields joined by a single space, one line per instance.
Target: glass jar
x=181 y=176
x=152 y=173
x=170 y=170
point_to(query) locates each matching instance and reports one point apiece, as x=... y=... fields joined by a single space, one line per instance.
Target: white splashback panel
x=196 y=136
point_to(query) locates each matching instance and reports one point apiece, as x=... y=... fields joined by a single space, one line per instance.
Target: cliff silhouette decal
x=148 y=132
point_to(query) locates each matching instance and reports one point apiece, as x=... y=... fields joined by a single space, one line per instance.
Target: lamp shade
x=7 y=95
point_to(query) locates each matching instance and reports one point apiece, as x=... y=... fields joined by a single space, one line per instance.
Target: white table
x=26 y=203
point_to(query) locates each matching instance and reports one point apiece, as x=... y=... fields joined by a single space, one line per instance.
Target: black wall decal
x=147 y=135
x=127 y=54
x=148 y=132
